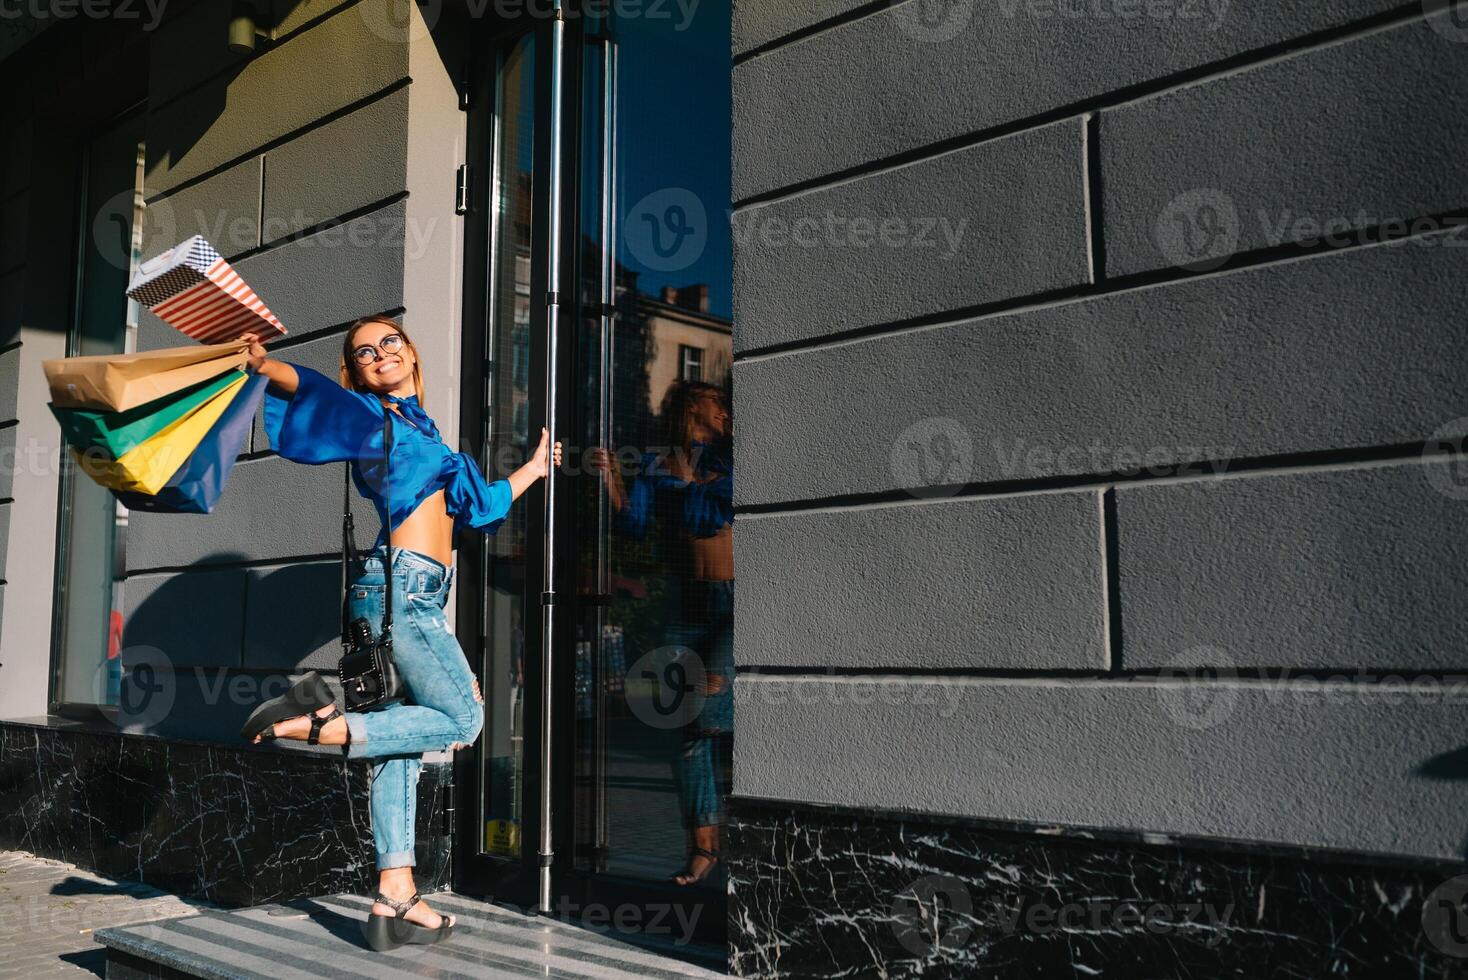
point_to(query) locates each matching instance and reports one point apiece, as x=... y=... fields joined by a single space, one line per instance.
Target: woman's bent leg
x=394 y=809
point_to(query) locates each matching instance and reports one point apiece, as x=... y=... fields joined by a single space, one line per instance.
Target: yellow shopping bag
x=149 y=465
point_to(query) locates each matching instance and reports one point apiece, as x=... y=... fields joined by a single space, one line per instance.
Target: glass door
x=639 y=699
x=498 y=595
x=650 y=549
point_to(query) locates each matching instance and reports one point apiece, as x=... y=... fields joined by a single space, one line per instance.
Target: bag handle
x=349 y=536
x=387 y=509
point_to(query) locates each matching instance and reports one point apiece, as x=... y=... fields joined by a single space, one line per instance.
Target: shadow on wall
x=1447 y=767
x=201 y=648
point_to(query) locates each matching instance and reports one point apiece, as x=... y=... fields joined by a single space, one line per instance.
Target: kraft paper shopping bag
x=122 y=381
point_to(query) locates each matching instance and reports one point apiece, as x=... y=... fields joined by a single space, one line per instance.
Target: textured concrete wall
x=1131 y=493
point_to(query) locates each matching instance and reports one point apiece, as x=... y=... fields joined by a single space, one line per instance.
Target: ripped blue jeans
x=442 y=709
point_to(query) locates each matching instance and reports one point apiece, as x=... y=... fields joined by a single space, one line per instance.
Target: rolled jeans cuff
x=395 y=859
x=357 y=728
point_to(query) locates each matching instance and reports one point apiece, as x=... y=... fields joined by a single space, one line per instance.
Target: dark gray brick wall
x=1085 y=527
x=892 y=82
x=1360 y=568
x=1324 y=765
x=1252 y=363
x=982 y=224
x=1013 y=583
x=1284 y=152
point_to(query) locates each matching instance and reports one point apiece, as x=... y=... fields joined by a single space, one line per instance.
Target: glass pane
x=503 y=743
x=93 y=523
x=654 y=536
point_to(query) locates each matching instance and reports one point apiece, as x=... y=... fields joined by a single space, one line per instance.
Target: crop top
x=324 y=423
x=701 y=506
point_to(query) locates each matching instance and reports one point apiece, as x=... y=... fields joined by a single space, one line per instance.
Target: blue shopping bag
x=199 y=482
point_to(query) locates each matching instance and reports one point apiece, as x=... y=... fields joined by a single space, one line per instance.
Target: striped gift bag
x=193 y=289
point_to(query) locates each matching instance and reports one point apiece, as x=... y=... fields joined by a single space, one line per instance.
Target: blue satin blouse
x=325 y=423
x=700 y=507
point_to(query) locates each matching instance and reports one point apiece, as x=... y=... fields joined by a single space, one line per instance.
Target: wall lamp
x=242 y=28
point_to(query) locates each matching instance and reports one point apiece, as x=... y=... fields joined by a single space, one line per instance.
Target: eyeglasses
x=367 y=353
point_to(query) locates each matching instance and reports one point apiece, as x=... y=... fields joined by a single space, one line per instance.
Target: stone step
x=319 y=937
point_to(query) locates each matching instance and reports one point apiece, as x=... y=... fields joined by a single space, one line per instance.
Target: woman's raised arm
x=281 y=374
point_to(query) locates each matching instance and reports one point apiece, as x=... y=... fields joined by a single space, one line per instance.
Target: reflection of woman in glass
x=688 y=492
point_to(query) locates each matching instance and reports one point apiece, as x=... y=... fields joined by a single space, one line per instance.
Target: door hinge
x=461 y=190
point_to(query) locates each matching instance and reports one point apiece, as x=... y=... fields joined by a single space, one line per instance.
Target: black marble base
x=235 y=826
x=825 y=892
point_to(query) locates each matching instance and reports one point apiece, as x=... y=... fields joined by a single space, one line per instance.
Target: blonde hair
x=348 y=363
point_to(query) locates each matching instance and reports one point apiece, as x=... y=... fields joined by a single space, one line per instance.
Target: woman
x=433 y=493
x=688 y=495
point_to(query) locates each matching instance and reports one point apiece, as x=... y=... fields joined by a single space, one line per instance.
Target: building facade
x=1100 y=518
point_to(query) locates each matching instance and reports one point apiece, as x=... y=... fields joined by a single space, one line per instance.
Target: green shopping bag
x=149 y=466
x=117 y=433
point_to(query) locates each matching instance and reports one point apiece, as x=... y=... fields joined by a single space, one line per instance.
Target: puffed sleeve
x=707 y=507
x=322 y=422
x=635 y=516
x=474 y=501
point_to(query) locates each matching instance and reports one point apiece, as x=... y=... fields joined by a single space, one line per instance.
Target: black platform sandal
x=385 y=932
x=707 y=868
x=305 y=697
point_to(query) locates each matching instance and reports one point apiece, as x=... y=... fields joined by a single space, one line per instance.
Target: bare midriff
x=713 y=558
x=428 y=530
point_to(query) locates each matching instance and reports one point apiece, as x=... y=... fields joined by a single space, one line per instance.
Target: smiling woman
x=423 y=492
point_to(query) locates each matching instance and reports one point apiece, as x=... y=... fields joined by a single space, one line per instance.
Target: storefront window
x=92 y=525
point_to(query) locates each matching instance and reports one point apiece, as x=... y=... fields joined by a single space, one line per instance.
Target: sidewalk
x=49 y=910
